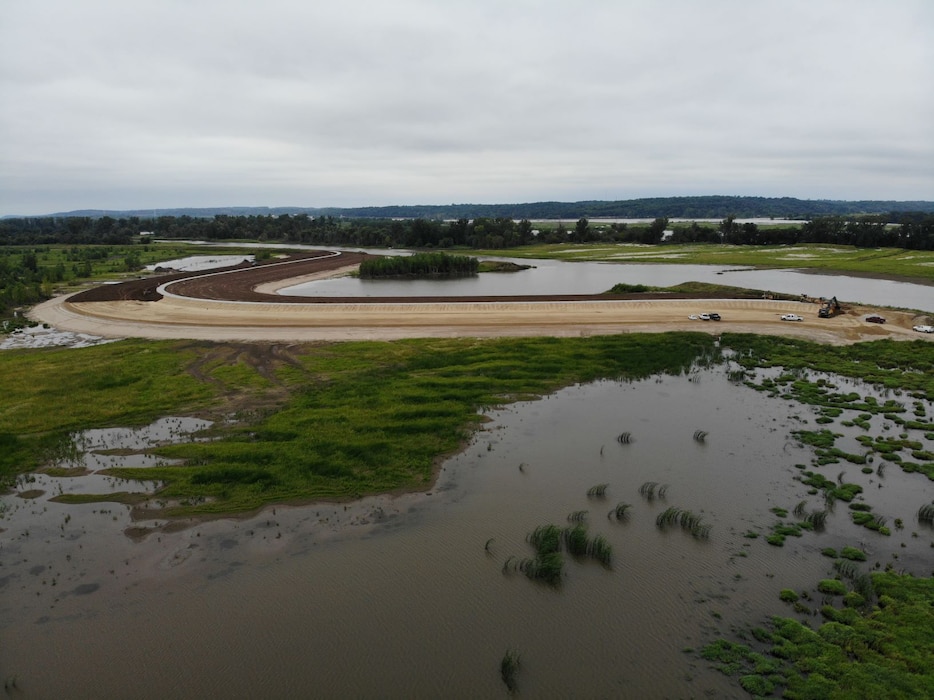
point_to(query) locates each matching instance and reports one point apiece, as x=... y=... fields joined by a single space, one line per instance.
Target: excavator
x=830 y=308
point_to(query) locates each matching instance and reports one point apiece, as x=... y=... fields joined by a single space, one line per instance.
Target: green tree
x=656 y=230
x=581 y=231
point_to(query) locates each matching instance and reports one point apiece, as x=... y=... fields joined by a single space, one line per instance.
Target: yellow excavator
x=830 y=308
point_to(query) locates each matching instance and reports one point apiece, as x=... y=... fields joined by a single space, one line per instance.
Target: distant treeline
x=914 y=230
x=709 y=207
x=420 y=265
x=706 y=207
x=74 y=230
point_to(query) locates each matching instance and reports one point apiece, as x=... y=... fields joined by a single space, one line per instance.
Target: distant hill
x=708 y=207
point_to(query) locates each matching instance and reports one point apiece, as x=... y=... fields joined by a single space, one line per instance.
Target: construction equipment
x=830 y=308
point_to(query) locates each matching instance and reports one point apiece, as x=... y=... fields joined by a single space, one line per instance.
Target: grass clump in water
x=597 y=491
x=831 y=586
x=509 y=668
x=650 y=489
x=686 y=520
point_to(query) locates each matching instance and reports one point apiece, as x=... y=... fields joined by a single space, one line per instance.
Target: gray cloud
x=116 y=105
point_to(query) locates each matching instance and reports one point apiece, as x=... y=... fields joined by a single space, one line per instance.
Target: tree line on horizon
x=693 y=207
x=914 y=230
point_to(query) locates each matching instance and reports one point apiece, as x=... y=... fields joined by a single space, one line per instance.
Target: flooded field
x=407 y=597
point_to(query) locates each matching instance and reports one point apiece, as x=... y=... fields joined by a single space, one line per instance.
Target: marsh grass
x=597 y=491
x=547 y=568
x=700 y=435
x=879 y=652
x=577 y=516
x=601 y=550
x=549 y=541
x=576 y=540
x=620 y=512
x=545 y=539
x=870 y=521
x=652 y=489
x=624 y=438
x=926 y=514
x=816 y=519
x=508 y=668
x=689 y=522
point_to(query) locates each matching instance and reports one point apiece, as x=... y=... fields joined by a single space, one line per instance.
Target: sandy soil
x=240 y=304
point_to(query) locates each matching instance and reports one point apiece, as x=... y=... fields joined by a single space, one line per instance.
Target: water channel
x=557 y=277
x=399 y=597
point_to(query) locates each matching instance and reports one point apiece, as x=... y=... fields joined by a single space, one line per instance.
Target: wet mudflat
x=406 y=596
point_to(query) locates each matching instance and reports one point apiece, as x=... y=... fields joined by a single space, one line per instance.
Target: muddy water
x=398 y=597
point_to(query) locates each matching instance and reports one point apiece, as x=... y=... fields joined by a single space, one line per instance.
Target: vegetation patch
x=124 y=497
x=508 y=669
x=549 y=541
x=870 y=521
x=886 y=651
x=831 y=586
x=853 y=554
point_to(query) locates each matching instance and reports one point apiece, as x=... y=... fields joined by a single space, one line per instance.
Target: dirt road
x=240 y=304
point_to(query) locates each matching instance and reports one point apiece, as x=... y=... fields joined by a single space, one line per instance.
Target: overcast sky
x=119 y=104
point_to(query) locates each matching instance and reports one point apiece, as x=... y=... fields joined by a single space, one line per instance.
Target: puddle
x=126 y=447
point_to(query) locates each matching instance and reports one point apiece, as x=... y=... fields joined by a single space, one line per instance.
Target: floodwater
x=398 y=597
x=557 y=277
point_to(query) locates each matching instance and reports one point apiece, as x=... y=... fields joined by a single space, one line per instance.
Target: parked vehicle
x=791 y=317
x=923 y=329
x=714 y=317
x=705 y=317
x=875 y=319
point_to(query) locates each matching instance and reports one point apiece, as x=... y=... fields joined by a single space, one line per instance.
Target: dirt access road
x=240 y=304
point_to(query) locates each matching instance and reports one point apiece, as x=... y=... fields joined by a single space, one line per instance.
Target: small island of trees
x=420 y=265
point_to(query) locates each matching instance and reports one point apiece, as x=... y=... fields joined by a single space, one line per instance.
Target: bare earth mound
x=240 y=303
